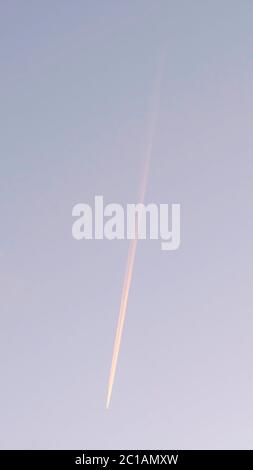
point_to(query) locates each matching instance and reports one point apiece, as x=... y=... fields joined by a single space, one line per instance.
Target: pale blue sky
x=76 y=80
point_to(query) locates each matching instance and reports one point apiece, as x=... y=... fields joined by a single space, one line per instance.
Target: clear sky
x=76 y=81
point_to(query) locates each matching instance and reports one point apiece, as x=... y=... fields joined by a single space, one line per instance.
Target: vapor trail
x=133 y=243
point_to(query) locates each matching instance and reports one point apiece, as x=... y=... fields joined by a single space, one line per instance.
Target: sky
x=76 y=88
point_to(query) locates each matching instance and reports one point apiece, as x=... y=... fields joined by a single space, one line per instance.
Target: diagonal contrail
x=133 y=243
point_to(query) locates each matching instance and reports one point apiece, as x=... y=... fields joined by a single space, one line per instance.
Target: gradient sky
x=76 y=89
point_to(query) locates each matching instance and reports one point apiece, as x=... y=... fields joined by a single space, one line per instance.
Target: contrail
x=133 y=243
